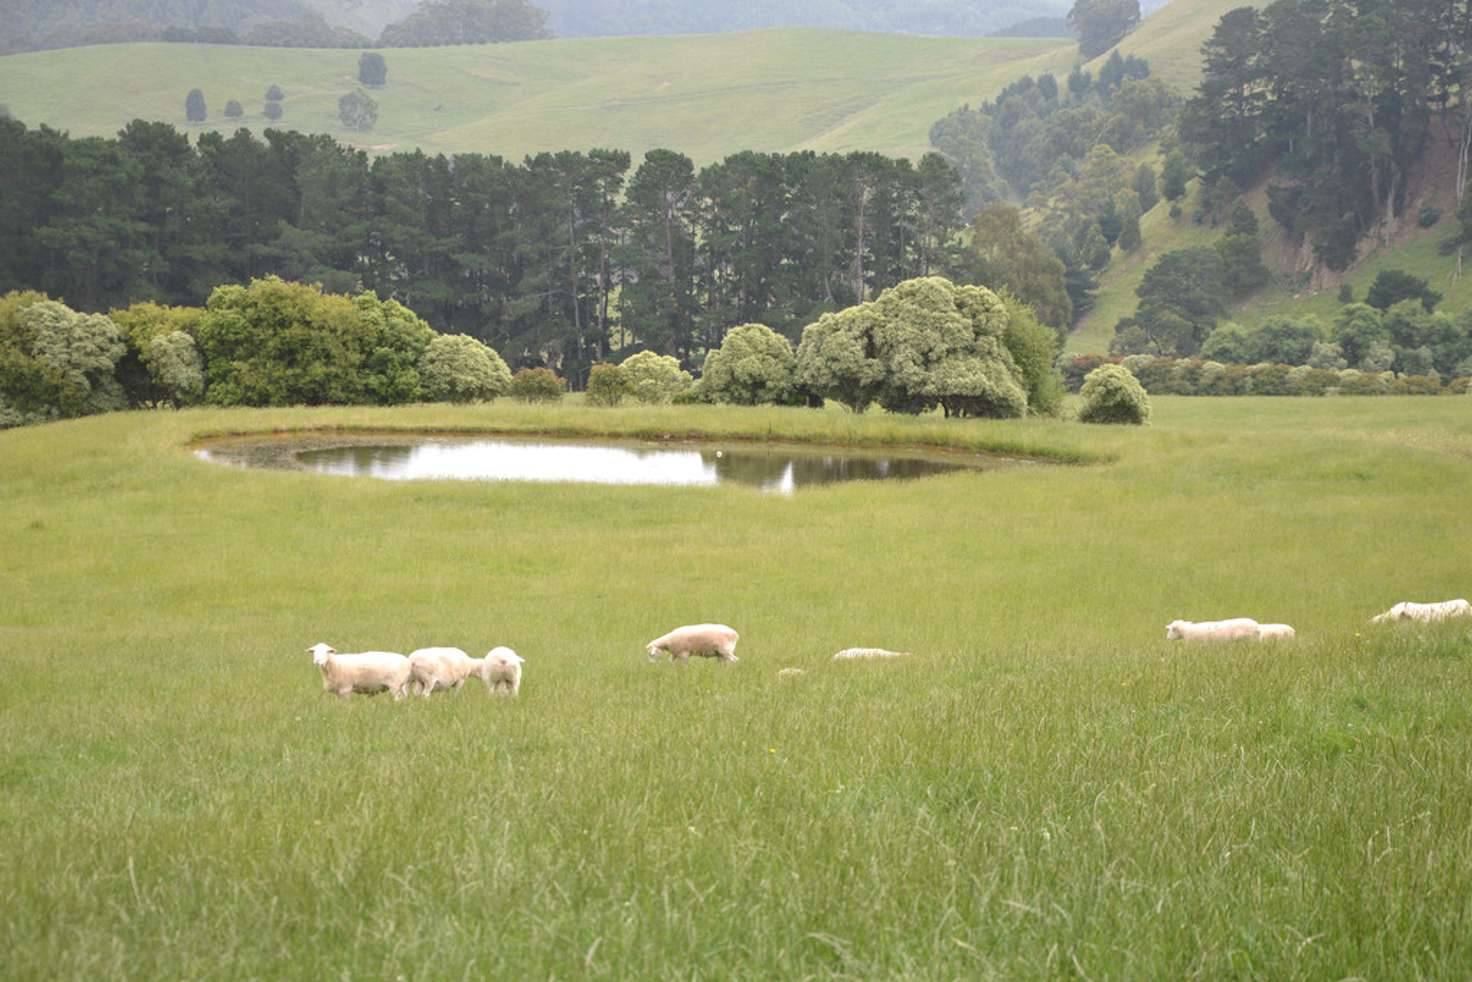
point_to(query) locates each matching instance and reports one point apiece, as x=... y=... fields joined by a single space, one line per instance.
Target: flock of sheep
x=428 y=669
x=1245 y=628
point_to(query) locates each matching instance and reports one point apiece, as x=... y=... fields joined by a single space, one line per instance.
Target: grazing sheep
x=1426 y=613
x=850 y=653
x=441 y=668
x=1276 y=632
x=700 y=640
x=448 y=668
x=371 y=671
x=501 y=669
x=1230 y=630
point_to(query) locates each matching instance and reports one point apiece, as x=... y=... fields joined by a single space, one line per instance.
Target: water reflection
x=776 y=470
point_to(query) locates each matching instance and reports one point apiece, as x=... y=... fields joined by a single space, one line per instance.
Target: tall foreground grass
x=1047 y=788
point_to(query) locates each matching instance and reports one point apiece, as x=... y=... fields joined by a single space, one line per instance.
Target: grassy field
x=1047 y=788
x=707 y=95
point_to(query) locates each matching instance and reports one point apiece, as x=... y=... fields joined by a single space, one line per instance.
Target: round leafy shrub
x=608 y=385
x=655 y=378
x=753 y=365
x=537 y=385
x=1112 y=395
x=175 y=367
x=55 y=361
x=1428 y=216
x=458 y=368
x=276 y=343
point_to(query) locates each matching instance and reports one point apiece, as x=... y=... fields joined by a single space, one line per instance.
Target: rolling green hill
x=707 y=95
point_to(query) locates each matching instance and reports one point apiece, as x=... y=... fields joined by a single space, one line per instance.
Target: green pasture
x=1047 y=787
x=705 y=95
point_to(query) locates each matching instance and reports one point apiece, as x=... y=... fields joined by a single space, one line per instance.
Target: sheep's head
x=653 y=650
x=1174 y=630
x=319 y=653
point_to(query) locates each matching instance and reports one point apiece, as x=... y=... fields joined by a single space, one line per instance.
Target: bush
x=234 y=110
x=1112 y=395
x=753 y=365
x=1428 y=216
x=274 y=94
x=1346 y=294
x=55 y=362
x=458 y=368
x=655 y=378
x=537 y=385
x=1271 y=379
x=272 y=111
x=288 y=344
x=608 y=385
x=838 y=357
x=1077 y=368
x=154 y=376
x=1416 y=385
x=1034 y=347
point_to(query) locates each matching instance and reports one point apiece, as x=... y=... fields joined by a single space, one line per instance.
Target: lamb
x=371 y=671
x=448 y=668
x=702 y=640
x=1426 y=613
x=850 y=653
x=501 y=669
x=1236 y=629
x=1276 y=632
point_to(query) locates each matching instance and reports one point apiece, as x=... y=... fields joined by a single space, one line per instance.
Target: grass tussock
x=1047 y=787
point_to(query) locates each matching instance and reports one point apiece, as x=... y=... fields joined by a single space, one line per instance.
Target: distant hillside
x=31 y=24
x=705 y=95
x=958 y=18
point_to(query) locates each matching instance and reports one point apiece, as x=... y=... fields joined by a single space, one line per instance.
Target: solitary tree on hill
x=372 y=69
x=234 y=110
x=358 y=110
x=274 y=94
x=194 y=108
x=272 y=111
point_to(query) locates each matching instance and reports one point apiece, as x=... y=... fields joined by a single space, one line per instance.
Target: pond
x=780 y=468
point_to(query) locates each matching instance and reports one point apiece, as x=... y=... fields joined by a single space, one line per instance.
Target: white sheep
x=441 y=668
x=501 y=669
x=371 y=671
x=701 y=640
x=851 y=653
x=1275 y=632
x=448 y=668
x=1230 y=630
x=1425 y=613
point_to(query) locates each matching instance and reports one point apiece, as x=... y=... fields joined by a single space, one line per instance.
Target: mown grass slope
x=707 y=95
x=1047 y=787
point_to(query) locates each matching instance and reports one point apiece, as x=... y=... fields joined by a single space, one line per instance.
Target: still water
x=780 y=470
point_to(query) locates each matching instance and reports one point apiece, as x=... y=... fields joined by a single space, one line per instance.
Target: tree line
x=559 y=259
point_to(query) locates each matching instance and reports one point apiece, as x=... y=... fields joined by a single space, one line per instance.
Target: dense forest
x=560 y=258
